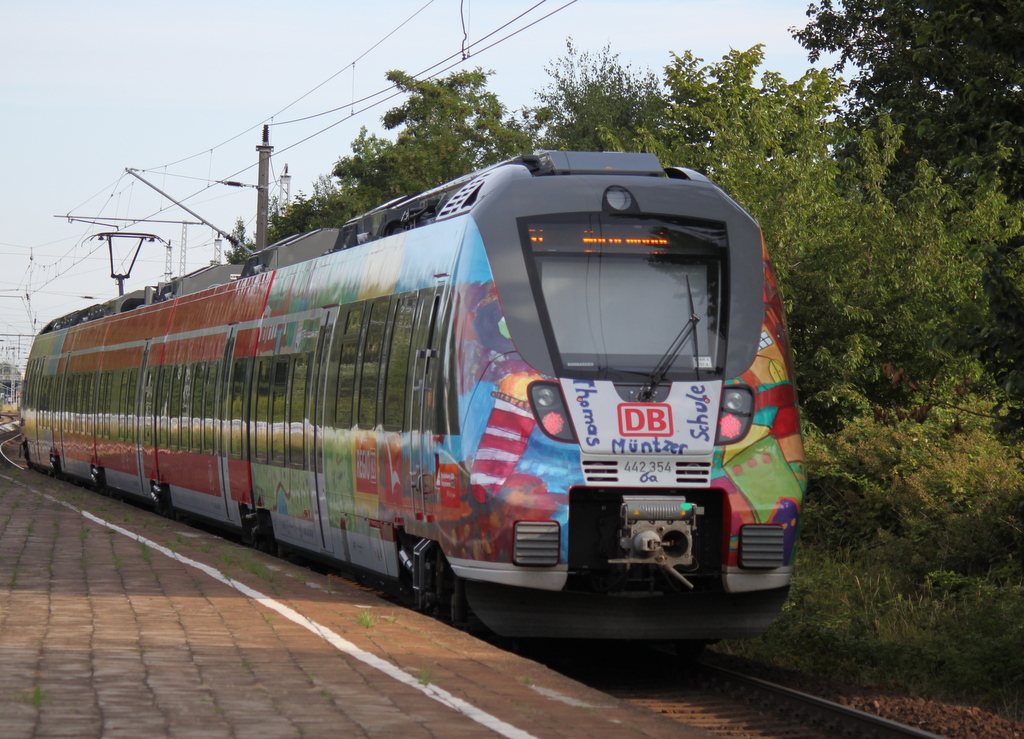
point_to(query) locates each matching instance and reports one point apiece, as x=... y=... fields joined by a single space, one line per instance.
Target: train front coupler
x=658 y=531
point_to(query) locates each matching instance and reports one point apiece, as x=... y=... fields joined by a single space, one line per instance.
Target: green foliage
x=593 y=101
x=869 y=280
x=327 y=207
x=236 y=254
x=952 y=637
x=916 y=498
x=765 y=141
x=446 y=128
x=952 y=71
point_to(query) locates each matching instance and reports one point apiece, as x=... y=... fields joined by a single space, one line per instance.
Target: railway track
x=720 y=701
x=10 y=451
x=729 y=702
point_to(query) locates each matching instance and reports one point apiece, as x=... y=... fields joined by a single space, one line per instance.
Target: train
x=554 y=395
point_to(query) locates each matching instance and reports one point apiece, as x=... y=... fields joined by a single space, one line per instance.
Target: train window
x=209 y=406
x=346 y=384
x=278 y=410
x=69 y=406
x=174 y=406
x=114 y=409
x=354 y=321
x=261 y=394
x=71 y=403
x=124 y=408
x=130 y=406
x=197 y=405
x=236 y=409
x=78 y=424
x=369 y=377
x=89 y=403
x=106 y=400
x=396 y=382
x=113 y=399
x=297 y=411
x=163 y=392
x=150 y=401
x=599 y=277
x=180 y=394
x=118 y=410
x=342 y=372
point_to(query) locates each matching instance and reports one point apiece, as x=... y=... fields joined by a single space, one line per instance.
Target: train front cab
x=629 y=425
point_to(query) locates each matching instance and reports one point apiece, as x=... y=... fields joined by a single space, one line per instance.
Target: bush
x=917 y=497
x=909 y=575
x=952 y=638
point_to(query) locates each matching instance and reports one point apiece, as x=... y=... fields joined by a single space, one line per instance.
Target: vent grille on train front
x=536 y=543
x=463 y=199
x=762 y=546
x=611 y=471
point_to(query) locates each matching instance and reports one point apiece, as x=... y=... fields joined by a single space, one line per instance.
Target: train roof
x=458 y=196
x=401 y=214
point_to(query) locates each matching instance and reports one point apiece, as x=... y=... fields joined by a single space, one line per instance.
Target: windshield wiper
x=665 y=363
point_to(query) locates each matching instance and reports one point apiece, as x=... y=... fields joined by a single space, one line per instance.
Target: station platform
x=115 y=622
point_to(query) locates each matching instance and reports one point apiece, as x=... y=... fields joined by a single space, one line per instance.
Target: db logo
x=648 y=419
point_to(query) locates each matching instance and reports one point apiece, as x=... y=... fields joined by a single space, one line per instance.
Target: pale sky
x=181 y=89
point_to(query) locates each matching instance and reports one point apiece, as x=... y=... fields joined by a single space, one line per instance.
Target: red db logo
x=649 y=419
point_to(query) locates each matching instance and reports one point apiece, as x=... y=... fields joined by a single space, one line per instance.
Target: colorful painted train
x=555 y=393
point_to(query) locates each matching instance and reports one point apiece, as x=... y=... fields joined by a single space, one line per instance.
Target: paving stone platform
x=115 y=622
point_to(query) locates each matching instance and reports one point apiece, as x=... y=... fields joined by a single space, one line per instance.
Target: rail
x=814 y=710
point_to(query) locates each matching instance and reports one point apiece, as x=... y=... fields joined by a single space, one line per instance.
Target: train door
x=426 y=365
x=144 y=422
x=222 y=423
x=233 y=438
x=317 y=420
x=62 y=414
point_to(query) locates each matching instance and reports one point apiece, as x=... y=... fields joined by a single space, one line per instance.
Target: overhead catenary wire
x=397 y=93
x=305 y=94
x=430 y=72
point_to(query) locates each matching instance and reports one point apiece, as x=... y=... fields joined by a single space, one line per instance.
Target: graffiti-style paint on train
x=556 y=393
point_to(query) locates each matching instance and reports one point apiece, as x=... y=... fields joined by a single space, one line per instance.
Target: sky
x=180 y=91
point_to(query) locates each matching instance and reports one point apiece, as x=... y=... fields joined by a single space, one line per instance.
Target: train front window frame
x=613 y=292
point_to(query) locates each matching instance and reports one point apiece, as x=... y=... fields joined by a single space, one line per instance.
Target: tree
x=237 y=254
x=327 y=207
x=593 y=101
x=950 y=71
x=446 y=128
x=872 y=281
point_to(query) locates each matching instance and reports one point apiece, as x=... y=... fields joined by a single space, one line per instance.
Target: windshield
x=616 y=292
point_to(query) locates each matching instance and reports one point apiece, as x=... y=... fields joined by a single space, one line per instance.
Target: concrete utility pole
x=262 y=191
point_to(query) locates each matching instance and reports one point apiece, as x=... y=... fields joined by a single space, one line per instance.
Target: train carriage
x=556 y=392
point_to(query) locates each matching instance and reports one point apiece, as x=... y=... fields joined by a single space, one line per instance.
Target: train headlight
x=546 y=397
x=735 y=415
x=550 y=411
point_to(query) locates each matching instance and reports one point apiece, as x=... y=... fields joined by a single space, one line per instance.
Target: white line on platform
x=439 y=694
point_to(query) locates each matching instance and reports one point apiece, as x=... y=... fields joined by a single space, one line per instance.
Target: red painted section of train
x=193 y=328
